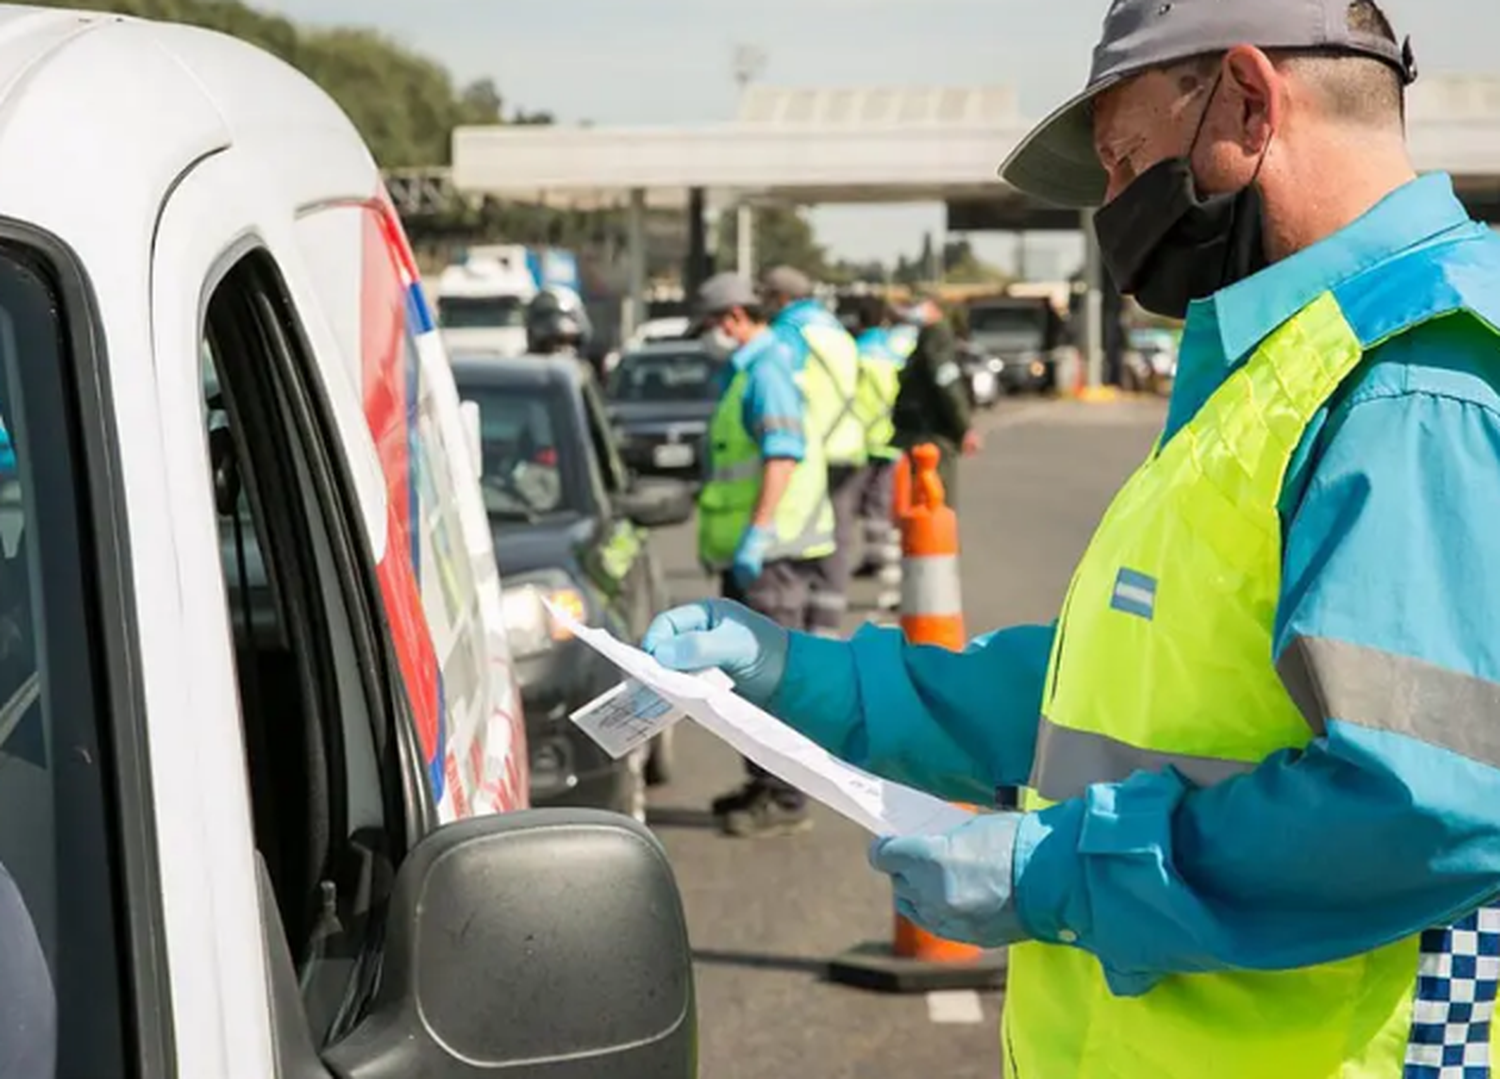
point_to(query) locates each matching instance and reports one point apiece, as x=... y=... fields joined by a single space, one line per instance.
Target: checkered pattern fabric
x=1455 y=1002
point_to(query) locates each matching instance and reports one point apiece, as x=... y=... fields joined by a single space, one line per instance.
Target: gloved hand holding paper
x=882 y=807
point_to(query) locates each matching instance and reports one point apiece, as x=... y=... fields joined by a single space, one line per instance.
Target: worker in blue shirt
x=1261 y=746
x=765 y=520
x=824 y=354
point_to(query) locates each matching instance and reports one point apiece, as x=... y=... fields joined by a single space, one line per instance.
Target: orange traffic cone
x=931 y=613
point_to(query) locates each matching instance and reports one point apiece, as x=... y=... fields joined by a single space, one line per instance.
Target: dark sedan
x=570 y=527
x=661 y=397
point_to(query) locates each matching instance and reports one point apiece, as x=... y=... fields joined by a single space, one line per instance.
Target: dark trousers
x=783 y=593
x=830 y=594
x=882 y=533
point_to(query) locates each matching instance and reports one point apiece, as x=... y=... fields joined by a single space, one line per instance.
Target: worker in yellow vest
x=765 y=521
x=1261 y=744
x=823 y=351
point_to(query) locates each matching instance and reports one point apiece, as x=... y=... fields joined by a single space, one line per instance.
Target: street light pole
x=749 y=62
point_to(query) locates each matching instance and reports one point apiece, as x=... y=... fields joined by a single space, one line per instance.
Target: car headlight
x=529 y=626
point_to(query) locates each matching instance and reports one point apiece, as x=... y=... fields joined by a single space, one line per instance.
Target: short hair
x=1355 y=88
x=872 y=312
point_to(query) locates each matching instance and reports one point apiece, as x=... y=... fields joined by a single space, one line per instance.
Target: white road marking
x=955 y=1006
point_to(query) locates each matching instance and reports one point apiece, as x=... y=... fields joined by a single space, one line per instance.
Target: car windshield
x=532 y=462
x=660 y=309
x=665 y=376
x=481 y=312
x=1010 y=322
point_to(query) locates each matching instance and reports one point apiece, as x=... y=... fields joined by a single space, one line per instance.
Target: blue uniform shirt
x=773 y=407
x=1380 y=828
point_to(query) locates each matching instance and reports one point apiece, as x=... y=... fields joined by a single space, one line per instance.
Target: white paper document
x=878 y=805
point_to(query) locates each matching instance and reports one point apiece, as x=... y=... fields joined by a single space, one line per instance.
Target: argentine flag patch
x=1135 y=593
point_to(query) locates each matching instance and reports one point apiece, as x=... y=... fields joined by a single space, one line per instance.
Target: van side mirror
x=536 y=945
x=469 y=411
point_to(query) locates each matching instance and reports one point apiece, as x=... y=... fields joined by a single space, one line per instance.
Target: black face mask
x=1167 y=245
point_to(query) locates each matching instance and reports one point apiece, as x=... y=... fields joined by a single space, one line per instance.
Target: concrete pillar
x=1093 y=304
x=744 y=234
x=696 y=271
x=635 y=261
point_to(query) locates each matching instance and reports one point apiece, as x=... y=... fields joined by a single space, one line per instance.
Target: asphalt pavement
x=766 y=915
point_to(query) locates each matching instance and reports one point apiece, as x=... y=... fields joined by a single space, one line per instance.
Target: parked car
x=262 y=769
x=1022 y=334
x=570 y=528
x=661 y=398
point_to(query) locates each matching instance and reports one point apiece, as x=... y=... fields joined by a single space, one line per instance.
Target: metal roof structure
x=879 y=144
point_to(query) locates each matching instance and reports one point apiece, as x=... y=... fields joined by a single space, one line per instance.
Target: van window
x=61 y=1002
x=318 y=723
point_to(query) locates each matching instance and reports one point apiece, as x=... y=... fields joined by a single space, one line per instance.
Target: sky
x=670 y=61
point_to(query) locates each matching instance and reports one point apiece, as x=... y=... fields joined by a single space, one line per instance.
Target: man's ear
x=1257 y=87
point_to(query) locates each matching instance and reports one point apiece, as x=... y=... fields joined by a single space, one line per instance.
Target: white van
x=257 y=719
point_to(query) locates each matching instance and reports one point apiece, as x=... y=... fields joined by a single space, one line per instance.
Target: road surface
x=766 y=915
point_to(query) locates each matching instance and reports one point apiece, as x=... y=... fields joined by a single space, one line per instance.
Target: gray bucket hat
x=724 y=292
x=1056 y=162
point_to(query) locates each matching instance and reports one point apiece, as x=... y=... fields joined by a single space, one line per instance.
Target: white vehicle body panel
x=156 y=152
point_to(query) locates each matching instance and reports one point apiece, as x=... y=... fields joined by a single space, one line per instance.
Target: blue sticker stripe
x=435 y=768
x=419 y=318
x=1134 y=593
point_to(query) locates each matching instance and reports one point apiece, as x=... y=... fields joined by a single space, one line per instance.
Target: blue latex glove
x=750 y=558
x=957 y=886
x=748 y=647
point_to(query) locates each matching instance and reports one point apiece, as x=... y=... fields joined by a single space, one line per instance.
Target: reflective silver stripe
x=1384 y=691
x=848 y=411
x=742 y=472
x=781 y=423
x=930 y=586
x=1067 y=762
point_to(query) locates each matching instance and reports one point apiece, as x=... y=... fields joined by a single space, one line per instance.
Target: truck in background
x=483 y=294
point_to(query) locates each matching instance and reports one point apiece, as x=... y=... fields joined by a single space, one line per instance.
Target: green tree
x=961 y=266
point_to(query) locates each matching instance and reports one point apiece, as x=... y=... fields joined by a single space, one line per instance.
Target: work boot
x=757 y=811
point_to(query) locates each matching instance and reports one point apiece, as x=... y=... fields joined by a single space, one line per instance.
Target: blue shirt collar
x=1224 y=329
x=752 y=350
x=1247 y=313
x=800 y=313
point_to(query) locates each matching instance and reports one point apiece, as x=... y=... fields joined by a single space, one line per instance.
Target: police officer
x=1261 y=747
x=824 y=352
x=933 y=402
x=765 y=520
x=883 y=352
